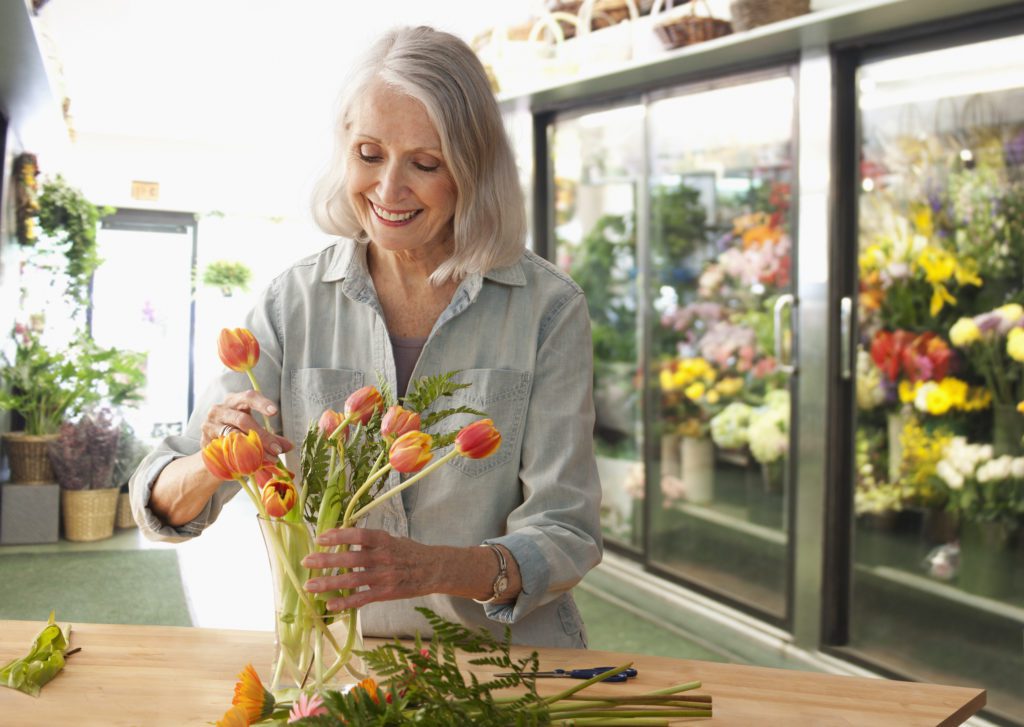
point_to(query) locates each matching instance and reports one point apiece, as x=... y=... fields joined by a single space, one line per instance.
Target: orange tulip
x=238 y=349
x=215 y=461
x=252 y=696
x=243 y=453
x=329 y=422
x=478 y=440
x=410 y=451
x=398 y=421
x=362 y=403
x=278 y=497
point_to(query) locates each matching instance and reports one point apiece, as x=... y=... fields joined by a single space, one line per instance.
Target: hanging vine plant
x=70 y=221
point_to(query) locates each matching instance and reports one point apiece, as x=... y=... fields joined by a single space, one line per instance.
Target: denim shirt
x=520 y=336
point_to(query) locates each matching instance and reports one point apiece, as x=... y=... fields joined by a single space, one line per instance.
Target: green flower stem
x=300 y=592
x=344 y=656
x=685 y=687
x=347 y=520
x=359 y=514
x=587 y=716
x=256 y=387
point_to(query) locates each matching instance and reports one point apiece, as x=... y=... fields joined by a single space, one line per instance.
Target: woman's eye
x=368 y=153
x=426 y=167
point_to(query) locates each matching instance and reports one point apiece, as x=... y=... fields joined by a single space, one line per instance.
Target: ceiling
x=226 y=71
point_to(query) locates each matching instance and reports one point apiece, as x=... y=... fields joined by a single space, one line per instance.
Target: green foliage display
x=70 y=221
x=678 y=227
x=47 y=387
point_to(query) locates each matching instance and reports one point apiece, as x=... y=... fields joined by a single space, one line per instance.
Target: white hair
x=443 y=73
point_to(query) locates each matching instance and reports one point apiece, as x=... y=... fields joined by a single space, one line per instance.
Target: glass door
x=597 y=165
x=142 y=301
x=721 y=266
x=938 y=572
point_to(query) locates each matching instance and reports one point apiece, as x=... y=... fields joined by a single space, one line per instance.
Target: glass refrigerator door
x=938 y=574
x=597 y=160
x=720 y=174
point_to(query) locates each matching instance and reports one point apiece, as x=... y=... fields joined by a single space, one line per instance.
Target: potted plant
x=228 y=276
x=45 y=388
x=83 y=457
x=130 y=451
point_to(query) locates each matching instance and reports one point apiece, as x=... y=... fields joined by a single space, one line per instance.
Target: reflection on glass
x=939 y=547
x=140 y=300
x=720 y=253
x=597 y=167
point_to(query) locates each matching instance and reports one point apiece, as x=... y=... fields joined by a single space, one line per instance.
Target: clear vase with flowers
x=346 y=459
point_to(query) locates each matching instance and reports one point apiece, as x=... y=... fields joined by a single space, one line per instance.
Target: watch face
x=500 y=586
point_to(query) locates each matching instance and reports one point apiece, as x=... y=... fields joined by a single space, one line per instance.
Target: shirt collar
x=349 y=261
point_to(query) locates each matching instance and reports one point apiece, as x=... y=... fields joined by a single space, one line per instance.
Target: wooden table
x=160 y=675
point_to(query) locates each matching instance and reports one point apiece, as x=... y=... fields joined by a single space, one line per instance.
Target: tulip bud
x=278 y=497
x=243 y=454
x=362 y=403
x=478 y=440
x=213 y=458
x=398 y=421
x=238 y=349
x=329 y=422
x=410 y=451
x=270 y=471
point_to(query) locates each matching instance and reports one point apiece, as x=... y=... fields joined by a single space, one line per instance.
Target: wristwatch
x=500 y=584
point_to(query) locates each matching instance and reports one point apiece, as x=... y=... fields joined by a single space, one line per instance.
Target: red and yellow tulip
x=398 y=421
x=215 y=460
x=411 y=451
x=478 y=440
x=238 y=348
x=278 y=497
x=362 y=403
x=243 y=453
x=329 y=423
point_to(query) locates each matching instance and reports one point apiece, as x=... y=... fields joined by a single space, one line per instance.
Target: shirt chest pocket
x=314 y=390
x=502 y=395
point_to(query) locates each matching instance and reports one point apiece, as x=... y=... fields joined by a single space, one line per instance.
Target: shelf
x=722 y=519
x=752 y=48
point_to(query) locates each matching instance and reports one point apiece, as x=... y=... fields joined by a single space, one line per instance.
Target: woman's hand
x=244 y=411
x=392 y=568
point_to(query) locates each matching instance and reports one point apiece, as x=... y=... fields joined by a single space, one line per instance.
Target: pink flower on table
x=312 y=706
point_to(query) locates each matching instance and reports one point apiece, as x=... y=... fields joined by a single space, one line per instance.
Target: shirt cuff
x=153 y=527
x=535 y=576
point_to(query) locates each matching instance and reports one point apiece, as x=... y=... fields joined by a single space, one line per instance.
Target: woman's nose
x=392 y=184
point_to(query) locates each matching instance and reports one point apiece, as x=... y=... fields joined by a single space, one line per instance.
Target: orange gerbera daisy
x=236 y=716
x=251 y=695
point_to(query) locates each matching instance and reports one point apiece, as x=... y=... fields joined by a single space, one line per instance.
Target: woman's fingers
x=244 y=411
x=384 y=567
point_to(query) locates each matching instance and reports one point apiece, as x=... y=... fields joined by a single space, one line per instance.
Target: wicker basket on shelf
x=29 y=457
x=88 y=514
x=679 y=29
x=747 y=14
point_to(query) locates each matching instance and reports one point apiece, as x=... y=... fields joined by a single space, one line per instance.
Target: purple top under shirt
x=407 y=353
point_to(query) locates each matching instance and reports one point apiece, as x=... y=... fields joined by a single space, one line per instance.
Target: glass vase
x=697 y=461
x=1007 y=430
x=312 y=646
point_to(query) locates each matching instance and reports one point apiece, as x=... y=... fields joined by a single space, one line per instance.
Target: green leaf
x=44 y=661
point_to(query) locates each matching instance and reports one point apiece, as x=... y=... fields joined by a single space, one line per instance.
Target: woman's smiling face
x=398 y=182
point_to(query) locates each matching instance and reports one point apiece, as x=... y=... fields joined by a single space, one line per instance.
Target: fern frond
x=428 y=389
x=437 y=416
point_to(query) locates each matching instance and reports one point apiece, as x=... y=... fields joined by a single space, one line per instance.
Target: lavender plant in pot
x=83 y=459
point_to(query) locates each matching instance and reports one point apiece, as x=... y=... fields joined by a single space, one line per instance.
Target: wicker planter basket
x=88 y=514
x=29 y=457
x=680 y=29
x=124 y=517
x=747 y=14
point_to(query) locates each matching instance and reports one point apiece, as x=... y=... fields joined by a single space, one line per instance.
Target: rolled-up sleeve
x=264 y=321
x=555 y=534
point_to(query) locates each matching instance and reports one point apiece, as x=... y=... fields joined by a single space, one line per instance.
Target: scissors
x=582 y=674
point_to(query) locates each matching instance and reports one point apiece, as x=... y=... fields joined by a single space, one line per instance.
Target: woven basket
x=29 y=457
x=88 y=514
x=124 y=518
x=680 y=29
x=747 y=14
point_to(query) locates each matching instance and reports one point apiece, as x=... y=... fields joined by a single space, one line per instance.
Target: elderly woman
x=430 y=275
